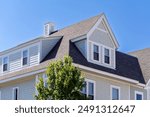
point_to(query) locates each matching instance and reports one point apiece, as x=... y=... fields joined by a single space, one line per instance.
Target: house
x=144 y=60
x=110 y=74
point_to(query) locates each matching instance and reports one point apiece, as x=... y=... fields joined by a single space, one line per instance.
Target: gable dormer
x=99 y=45
x=102 y=44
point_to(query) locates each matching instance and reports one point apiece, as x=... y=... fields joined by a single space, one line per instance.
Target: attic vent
x=48 y=28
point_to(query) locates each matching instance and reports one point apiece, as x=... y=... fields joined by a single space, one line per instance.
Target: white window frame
x=26 y=49
x=140 y=93
x=103 y=55
x=87 y=87
x=3 y=64
x=14 y=88
x=111 y=90
x=92 y=50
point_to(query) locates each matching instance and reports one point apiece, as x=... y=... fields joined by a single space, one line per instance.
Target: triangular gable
x=103 y=25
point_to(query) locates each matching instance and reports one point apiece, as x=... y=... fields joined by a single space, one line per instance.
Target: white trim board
x=109 y=74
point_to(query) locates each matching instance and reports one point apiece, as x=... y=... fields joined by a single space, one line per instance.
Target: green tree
x=64 y=82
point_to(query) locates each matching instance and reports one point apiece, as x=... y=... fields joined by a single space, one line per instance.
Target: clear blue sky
x=22 y=20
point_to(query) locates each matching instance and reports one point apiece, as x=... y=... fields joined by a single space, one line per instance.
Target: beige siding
x=103 y=87
x=135 y=88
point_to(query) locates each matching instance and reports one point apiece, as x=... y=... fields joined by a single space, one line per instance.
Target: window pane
x=84 y=88
x=5 y=60
x=115 y=94
x=96 y=52
x=25 y=53
x=91 y=90
x=107 y=59
x=25 y=61
x=16 y=94
x=106 y=56
x=96 y=49
x=106 y=52
x=138 y=97
x=5 y=67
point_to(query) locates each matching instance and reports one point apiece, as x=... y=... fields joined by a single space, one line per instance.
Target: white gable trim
x=112 y=36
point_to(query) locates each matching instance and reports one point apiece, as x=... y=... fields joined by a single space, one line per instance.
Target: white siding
x=15 y=61
x=34 y=55
x=26 y=90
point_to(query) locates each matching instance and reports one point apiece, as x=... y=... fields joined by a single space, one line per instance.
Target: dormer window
x=25 y=58
x=106 y=56
x=96 y=52
x=5 y=64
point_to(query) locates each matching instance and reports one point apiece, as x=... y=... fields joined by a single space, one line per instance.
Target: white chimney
x=48 y=28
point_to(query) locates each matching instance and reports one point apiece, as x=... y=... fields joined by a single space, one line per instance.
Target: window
x=138 y=95
x=88 y=89
x=115 y=93
x=45 y=79
x=5 y=64
x=106 y=56
x=95 y=52
x=25 y=57
x=15 y=93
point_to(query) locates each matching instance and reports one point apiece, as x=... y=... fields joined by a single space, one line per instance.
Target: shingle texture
x=144 y=60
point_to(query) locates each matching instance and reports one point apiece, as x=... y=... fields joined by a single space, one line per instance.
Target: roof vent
x=48 y=28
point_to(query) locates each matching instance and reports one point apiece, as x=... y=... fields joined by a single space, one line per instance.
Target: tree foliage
x=64 y=82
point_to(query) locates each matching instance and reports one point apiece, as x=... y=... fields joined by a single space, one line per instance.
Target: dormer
x=26 y=55
x=99 y=45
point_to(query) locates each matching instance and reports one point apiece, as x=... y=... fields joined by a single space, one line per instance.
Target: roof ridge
x=79 y=22
x=139 y=50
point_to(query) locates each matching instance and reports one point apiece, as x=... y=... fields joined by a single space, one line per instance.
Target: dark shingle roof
x=126 y=65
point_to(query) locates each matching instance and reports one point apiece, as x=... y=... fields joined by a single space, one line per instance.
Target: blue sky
x=21 y=21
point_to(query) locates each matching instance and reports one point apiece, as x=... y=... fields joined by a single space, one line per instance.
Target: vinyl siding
x=15 y=58
x=102 y=38
x=34 y=55
x=103 y=87
x=26 y=90
x=15 y=61
x=135 y=88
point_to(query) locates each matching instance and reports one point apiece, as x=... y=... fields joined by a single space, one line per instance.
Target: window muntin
x=88 y=89
x=15 y=93
x=106 y=56
x=138 y=95
x=25 y=57
x=5 y=64
x=96 y=52
x=115 y=93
